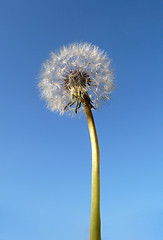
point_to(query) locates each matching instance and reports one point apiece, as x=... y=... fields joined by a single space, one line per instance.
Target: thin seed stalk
x=95 y=227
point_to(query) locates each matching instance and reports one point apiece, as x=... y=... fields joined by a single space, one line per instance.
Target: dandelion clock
x=78 y=78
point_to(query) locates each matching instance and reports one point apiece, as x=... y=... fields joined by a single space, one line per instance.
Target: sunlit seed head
x=76 y=74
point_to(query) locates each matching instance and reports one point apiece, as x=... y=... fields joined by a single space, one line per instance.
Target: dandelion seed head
x=75 y=75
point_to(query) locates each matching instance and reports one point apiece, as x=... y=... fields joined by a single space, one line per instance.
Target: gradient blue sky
x=45 y=159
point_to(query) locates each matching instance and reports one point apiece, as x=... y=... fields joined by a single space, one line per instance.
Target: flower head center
x=76 y=81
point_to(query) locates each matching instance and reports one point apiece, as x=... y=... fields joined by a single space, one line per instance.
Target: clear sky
x=45 y=159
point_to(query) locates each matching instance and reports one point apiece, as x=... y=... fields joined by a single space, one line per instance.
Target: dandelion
x=78 y=78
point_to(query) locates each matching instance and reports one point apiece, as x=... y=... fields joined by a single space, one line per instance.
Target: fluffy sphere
x=75 y=75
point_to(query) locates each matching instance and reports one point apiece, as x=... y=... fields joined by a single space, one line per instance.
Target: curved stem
x=95 y=229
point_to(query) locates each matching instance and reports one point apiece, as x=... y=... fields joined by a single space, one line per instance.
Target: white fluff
x=81 y=57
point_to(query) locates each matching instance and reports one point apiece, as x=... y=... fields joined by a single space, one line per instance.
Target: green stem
x=95 y=229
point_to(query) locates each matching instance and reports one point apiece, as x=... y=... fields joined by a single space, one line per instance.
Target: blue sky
x=45 y=159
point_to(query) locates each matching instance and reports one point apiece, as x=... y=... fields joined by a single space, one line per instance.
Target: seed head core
x=77 y=83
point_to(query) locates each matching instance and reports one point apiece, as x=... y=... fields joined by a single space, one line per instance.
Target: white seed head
x=77 y=74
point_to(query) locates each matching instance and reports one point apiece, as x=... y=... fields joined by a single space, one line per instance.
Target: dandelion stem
x=95 y=228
